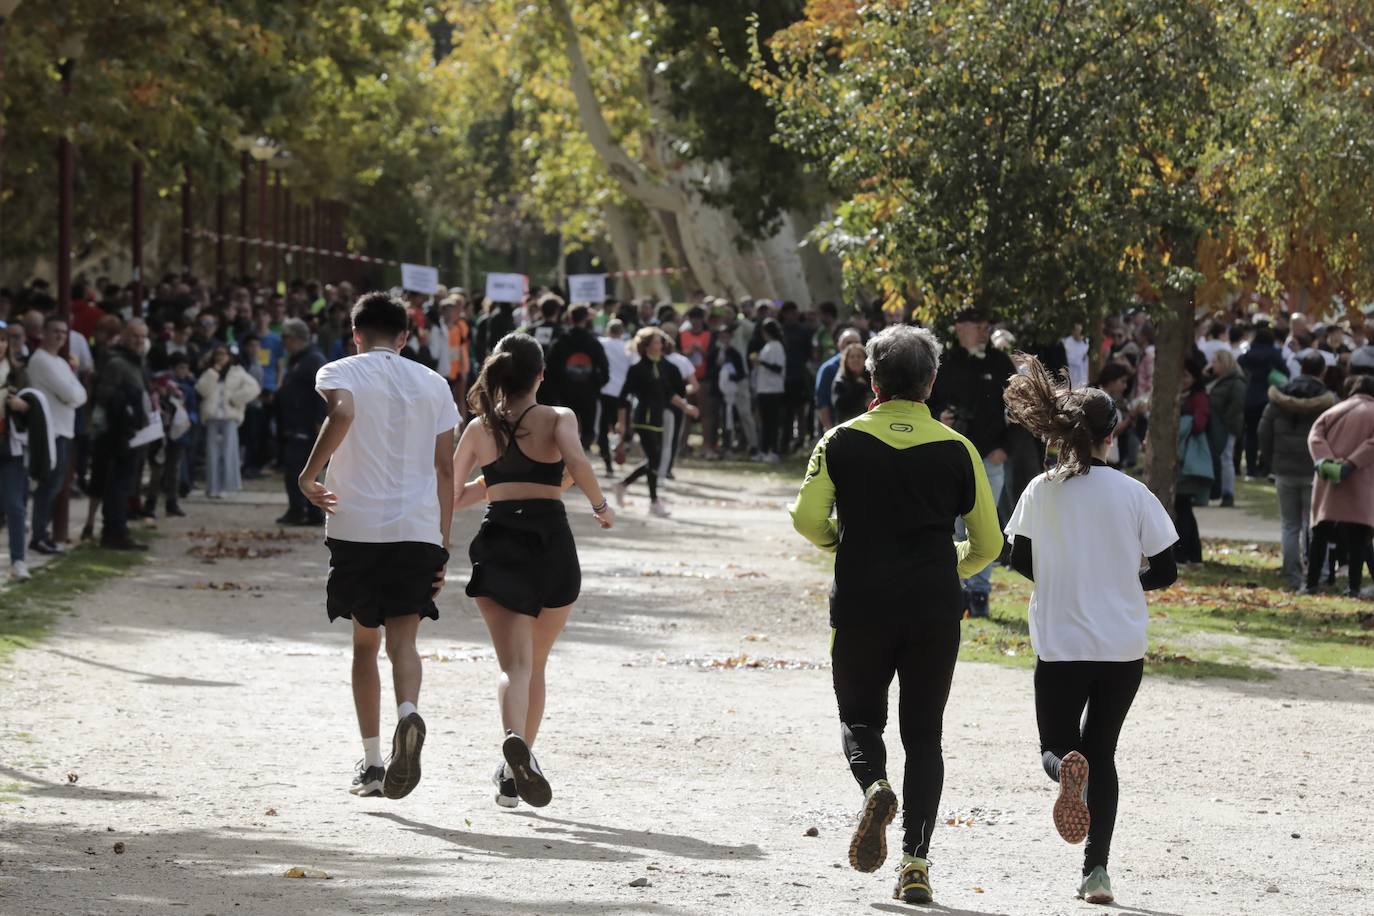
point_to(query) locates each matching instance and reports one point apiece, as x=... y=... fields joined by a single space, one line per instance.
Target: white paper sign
x=417 y=278
x=507 y=287
x=587 y=288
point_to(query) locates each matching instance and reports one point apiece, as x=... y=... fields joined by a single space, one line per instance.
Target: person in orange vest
x=459 y=348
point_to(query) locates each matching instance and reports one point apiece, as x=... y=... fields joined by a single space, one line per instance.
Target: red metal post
x=243 y=217
x=187 y=248
x=136 y=246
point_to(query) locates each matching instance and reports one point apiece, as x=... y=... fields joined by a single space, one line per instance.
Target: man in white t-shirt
x=388 y=439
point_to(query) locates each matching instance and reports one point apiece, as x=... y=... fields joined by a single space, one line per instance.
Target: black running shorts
x=371 y=582
x=524 y=558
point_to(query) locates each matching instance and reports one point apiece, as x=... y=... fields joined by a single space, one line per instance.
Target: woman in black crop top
x=525 y=572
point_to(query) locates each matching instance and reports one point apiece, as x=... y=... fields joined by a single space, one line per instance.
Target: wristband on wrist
x=598 y=509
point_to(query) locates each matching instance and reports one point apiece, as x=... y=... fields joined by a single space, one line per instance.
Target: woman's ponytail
x=510 y=371
x=1071 y=421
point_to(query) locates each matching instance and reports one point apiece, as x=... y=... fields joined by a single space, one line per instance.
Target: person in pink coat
x=1342 y=446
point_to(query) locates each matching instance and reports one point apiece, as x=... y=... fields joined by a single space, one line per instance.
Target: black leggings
x=1354 y=539
x=1189 y=546
x=770 y=411
x=652 y=441
x=921 y=653
x=610 y=413
x=1106 y=689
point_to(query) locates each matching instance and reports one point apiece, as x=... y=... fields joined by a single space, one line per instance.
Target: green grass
x=1229 y=617
x=1258 y=498
x=28 y=609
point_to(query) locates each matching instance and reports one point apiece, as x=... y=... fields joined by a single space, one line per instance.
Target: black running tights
x=1189 y=546
x=1081 y=706
x=652 y=442
x=606 y=419
x=921 y=653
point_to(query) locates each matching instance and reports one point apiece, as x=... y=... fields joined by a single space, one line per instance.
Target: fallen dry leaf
x=72 y=777
x=301 y=872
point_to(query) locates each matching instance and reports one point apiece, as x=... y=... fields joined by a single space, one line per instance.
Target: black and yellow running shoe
x=868 y=848
x=913 y=881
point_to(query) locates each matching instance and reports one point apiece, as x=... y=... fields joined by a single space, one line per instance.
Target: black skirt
x=371 y=582
x=524 y=558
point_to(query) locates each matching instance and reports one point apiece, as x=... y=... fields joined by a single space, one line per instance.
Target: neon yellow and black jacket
x=896 y=479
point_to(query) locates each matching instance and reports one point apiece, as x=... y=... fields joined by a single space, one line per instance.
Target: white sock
x=372 y=752
x=405 y=709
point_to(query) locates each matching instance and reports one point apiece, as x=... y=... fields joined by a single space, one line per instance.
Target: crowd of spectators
x=137 y=404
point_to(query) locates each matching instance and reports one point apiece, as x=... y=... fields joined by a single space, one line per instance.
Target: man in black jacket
x=300 y=417
x=120 y=391
x=968 y=398
x=1283 y=430
x=577 y=370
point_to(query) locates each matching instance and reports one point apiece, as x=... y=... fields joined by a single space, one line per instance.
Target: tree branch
x=631 y=176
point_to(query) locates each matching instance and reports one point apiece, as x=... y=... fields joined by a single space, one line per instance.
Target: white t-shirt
x=766 y=381
x=684 y=367
x=1211 y=346
x=619 y=362
x=383 y=472
x=1077 y=353
x=1088 y=535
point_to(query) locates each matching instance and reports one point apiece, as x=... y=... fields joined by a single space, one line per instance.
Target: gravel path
x=186 y=738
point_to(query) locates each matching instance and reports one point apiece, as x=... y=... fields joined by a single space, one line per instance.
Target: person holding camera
x=968 y=399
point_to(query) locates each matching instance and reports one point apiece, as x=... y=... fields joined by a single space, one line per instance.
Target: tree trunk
x=1172 y=342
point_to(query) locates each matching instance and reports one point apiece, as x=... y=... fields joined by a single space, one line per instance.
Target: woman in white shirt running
x=1079 y=533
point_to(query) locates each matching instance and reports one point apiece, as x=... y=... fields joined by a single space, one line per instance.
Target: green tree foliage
x=1019 y=155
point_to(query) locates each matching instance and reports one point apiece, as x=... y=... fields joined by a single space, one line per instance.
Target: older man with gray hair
x=882 y=492
x=300 y=417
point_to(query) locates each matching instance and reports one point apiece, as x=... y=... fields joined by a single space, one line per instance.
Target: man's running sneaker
x=913 y=881
x=1096 y=887
x=403 y=771
x=506 y=795
x=530 y=783
x=367 y=782
x=1071 y=817
x=658 y=509
x=868 y=847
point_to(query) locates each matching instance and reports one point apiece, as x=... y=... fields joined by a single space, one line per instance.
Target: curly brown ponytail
x=509 y=372
x=1071 y=421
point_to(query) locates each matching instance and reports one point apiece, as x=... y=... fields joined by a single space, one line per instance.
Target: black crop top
x=514 y=466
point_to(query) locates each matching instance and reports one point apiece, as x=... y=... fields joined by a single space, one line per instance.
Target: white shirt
x=1088 y=535
x=766 y=381
x=383 y=472
x=1211 y=346
x=1077 y=353
x=684 y=367
x=1294 y=360
x=53 y=376
x=77 y=346
x=619 y=362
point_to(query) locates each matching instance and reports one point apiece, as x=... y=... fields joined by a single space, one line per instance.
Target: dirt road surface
x=187 y=737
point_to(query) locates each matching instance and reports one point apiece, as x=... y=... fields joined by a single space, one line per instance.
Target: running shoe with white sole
x=1071 y=816
x=913 y=881
x=506 y=796
x=403 y=771
x=1096 y=887
x=530 y=783
x=367 y=782
x=868 y=847
x=19 y=572
x=657 y=508
x=618 y=492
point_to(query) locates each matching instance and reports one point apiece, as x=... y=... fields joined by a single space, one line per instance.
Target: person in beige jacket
x=225 y=390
